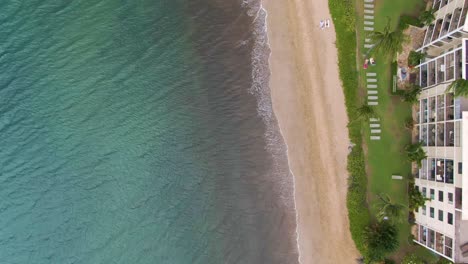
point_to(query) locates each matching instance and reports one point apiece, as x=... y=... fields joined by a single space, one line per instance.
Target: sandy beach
x=309 y=104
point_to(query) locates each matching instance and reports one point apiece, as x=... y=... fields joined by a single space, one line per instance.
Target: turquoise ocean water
x=139 y=132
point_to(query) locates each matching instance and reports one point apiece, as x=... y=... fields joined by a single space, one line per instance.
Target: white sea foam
x=261 y=90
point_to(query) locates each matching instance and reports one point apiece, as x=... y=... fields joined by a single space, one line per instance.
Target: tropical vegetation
x=388 y=43
x=363 y=190
x=411 y=259
x=416 y=153
x=410 y=94
x=427 y=17
x=382 y=238
x=459 y=88
x=343 y=13
x=409 y=123
x=416 y=198
x=389 y=209
x=365 y=112
x=415 y=57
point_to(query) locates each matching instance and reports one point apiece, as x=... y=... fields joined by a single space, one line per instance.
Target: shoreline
x=289 y=66
x=262 y=8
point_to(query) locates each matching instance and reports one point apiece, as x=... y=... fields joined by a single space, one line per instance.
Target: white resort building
x=442 y=126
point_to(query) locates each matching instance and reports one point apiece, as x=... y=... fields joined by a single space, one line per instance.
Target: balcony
x=432 y=135
x=450 y=17
x=448 y=247
x=455 y=19
x=458 y=198
x=439 y=243
x=431 y=238
x=444 y=68
x=436 y=5
x=449 y=171
x=449 y=134
x=446 y=25
x=437 y=29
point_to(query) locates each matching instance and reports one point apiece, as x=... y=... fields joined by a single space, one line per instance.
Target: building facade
x=442 y=124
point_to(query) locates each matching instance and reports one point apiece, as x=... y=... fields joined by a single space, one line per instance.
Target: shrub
x=427 y=17
x=411 y=259
x=443 y=260
x=382 y=238
x=415 y=198
x=415 y=57
x=343 y=14
x=416 y=153
x=406 y=21
x=409 y=123
x=411 y=94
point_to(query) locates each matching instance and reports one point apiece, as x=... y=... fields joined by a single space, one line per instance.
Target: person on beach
x=322 y=24
x=327 y=23
x=366 y=63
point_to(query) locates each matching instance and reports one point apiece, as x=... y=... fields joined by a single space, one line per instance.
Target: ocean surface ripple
x=140 y=132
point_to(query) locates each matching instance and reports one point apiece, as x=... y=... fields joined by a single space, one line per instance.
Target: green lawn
x=387 y=157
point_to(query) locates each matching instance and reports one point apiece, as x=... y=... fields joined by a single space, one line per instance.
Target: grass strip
x=344 y=17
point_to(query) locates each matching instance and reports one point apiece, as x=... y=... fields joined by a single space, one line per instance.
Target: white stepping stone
x=372 y=86
x=371 y=74
x=368 y=11
x=367 y=40
x=371 y=80
x=369 y=17
x=372 y=97
x=369 y=23
x=368 y=29
x=371 y=91
x=374 y=125
x=375 y=137
x=375 y=131
x=368 y=46
x=369 y=6
x=368 y=1
x=374 y=119
x=373 y=103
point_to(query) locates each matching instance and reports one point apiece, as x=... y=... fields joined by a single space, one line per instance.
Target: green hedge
x=343 y=14
x=407 y=20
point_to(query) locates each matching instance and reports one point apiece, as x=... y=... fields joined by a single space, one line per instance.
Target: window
x=432 y=194
x=424 y=210
x=450 y=198
x=416 y=187
x=450 y=218
x=431 y=212
x=424 y=192
x=441 y=215
x=441 y=196
x=460 y=168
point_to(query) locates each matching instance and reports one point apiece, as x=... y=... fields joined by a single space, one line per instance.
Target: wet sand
x=309 y=103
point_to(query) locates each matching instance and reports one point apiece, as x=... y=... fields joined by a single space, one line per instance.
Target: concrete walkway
x=371 y=77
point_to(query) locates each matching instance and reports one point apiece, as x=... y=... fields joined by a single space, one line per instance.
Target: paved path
x=371 y=77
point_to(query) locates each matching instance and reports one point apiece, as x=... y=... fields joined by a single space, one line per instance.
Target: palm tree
x=365 y=112
x=387 y=42
x=390 y=209
x=427 y=17
x=381 y=238
x=459 y=88
x=411 y=95
x=416 y=153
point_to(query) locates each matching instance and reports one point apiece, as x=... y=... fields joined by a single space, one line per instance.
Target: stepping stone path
x=371 y=77
x=375 y=129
